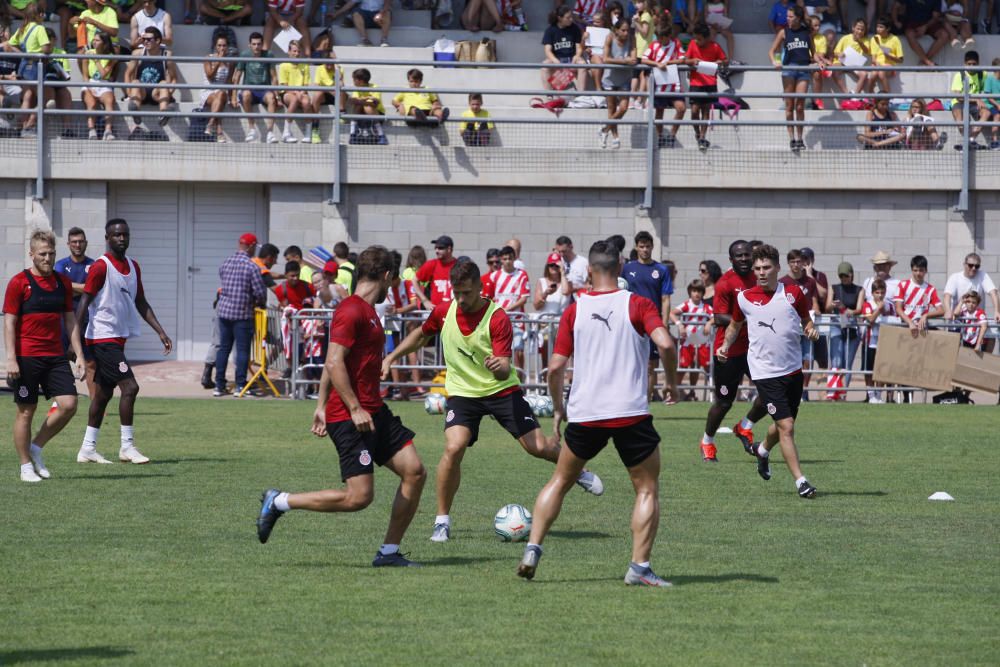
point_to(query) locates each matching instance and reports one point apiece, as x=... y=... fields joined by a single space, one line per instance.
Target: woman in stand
x=214 y=100
x=797 y=48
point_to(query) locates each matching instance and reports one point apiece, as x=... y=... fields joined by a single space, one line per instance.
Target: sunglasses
x=148 y=39
x=972 y=266
x=702 y=270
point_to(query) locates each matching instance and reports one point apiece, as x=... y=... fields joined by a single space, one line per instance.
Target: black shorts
x=52 y=374
x=358 y=451
x=511 y=411
x=869 y=359
x=821 y=352
x=781 y=395
x=668 y=101
x=634 y=443
x=704 y=101
x=112 y=367
x=727 y=376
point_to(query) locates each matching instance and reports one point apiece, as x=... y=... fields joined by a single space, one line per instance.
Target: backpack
x=352 y=273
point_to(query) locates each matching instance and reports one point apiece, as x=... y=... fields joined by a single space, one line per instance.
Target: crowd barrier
x=303 y=331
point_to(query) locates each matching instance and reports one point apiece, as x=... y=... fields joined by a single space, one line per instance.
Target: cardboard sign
x=927 y=361
x=977 y=370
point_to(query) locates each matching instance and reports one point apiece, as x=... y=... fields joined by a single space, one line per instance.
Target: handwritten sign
x=927 y=361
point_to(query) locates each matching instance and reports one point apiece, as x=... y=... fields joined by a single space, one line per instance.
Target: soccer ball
x=434 y=404
x=541 y=406
x=512 y=523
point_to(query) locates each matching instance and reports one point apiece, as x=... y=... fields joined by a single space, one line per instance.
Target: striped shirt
x=660 y=52
x=589 y=8
x=917 y=299
x=695 y=317
x=242 y=288
x=972 y=322
x=285 y=6
x=507 y=288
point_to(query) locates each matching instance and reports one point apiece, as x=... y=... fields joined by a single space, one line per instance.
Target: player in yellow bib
x=477 y=337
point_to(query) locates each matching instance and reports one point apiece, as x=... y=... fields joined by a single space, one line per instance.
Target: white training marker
x=723 y=429
x=940 y=495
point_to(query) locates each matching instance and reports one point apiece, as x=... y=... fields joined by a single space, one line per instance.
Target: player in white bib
x=607 y=332
x=776 y=315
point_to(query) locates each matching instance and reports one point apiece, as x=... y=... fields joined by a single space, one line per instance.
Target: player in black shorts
x=38 y=304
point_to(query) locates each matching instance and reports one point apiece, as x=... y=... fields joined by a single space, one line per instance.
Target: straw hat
x=882 y=257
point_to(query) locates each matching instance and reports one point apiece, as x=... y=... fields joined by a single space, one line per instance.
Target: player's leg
x=129 y=389
x=782 y=396
x=726 y=376
x=62 y=388
x=449 y=474
x=105 y=381
x=412 y=476
x=357 y=494
x=645 y=520
x=22 y=439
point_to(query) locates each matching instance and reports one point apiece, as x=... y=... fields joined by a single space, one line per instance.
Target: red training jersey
x=356 y=326
x=37 y=334
x=96 y=277
x=724 y=303
x=295 y=294
x=438 y=274
x=501 y=332
x=712 y=53
x=806 y=284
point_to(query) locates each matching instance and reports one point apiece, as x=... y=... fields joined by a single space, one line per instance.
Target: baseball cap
x=248 y=239
x=845 y=268
x=331 y=267
x=443 y=241
x=808 y=253
x=554 y=258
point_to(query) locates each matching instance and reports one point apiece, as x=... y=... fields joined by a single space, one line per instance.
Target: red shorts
x=689 y=353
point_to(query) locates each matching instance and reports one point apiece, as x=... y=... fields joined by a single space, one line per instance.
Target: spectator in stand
x=295 y=292
x=854 y=45
x=823 y=56
x=255 y=73
x=916 y=18
x=266 y=258
x=653 y=280
x=214 y=100
x=687 y=14
x=436 y=274
x=973 y=319
x=98 y=72
x=584 y=11
x=515 y=243
x=717 y=17
x=796 y=44
x=293 y=253
x=882 y=264
x=777 y=19
x=664 y=52
x=225 y=12
x=371 y=14
x=693 y=319
x=574 y=266
x=873 y=312
x=845 y=300
x=595 y=33
x=243 y=289
x=971 y=278
x=98 y=17
x=478 y=130
x=285 y=14
x=619 y=49
x=10 y=95
x=563 y=44
x=292 y=76
x=346 y=277
x=916 y=300
x=482 y=14
x=419 y=105
x=509 y=288
x=414 y=260
x=797 y=276
x=709 y=271
x=991 y=87
x=921 y=134
x=125 y=9
x=643 y=27
x=553 y=295
x=149 y=66
x=887 y=52
x=512 y=13
x=877 y=133
x=150 y=16
x=29 y=38
x=369 y=103
x=703 y=49
x=957 y=24
x=977 y=109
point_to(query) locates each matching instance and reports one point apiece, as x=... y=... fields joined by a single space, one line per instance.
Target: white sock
x=747 y=424
x=27 y=467
x=442 y=518
x=281 y=502
x=532 y=545
x=127 y=436
x=309 y=128
x=761 y=451
x=641 y=566
x=36 y=451
x=799 y=481
x=708 y=439
x=288 y=127
x=90 y=437
x=389 y=549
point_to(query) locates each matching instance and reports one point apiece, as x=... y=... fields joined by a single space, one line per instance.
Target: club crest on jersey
x=23 y=392
x=771 y=409
x=365 y=459
x=655 y=274
x=791 y=298
x=450 y=416
x=123 y=367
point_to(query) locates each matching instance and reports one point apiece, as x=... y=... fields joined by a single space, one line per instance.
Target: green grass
x=160 y=564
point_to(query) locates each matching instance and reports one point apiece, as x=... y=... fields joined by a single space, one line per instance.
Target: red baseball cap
x=248 y=239
x=331 y=267
x=554 y=258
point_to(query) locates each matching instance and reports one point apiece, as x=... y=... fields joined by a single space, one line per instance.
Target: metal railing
x=749 y=139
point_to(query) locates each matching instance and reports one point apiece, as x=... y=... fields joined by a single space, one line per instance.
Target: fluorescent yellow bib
x=464 y=355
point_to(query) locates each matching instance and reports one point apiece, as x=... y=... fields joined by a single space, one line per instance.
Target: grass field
x=160 y=564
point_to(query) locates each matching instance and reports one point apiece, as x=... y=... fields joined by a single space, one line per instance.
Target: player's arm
x=336 y=369
x=809 y=328
x=557 y=381
x=146 y=312
x=69 y=324
x=668 y=353
x=665 y=310
x=414 y=341
x=732 y=331
x=499 y=366
x=9 y=336
x=319 y=416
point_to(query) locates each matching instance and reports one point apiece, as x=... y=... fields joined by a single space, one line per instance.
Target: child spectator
x=664 y=52
x=880 y=135
x=991 y=87
x=98 y=17
x=796 y=44
x=916 y=300
x=563 y=44
x=921 y=135
x=512 y=15
x=419 y=105
x=510 y=290
x=719 y=22
x=256 y=73
x=293 y=253
x=887 y=52
x=293 y=292
x=285 y=14
x=292 y=75
x=619 y=49
x=974 y=321
x=694 y=324
x=369 y=103
x=873 y=313
x=823 y=57
x=703 y=49
x=977 y=108
x=594 y=36
x=399 y=300
x=642 y=26
x=854 y=45
x=778 y=17
x=479 y=130
x=98 y=71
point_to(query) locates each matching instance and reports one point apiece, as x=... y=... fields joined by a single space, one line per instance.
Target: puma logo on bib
x=599 y=318
x=767 y=326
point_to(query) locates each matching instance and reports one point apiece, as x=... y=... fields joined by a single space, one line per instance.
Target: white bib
x=774 y=330
x=112 y=312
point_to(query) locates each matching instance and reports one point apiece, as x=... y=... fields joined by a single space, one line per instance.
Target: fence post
x=647 y=201
x=40 y=129
x=963 y=196
x=337 y=86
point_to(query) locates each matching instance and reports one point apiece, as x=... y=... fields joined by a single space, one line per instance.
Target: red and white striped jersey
x=972 y=322
x=695 y=317
x=871 y=330
x=285 y=6
x=660 y=52
x=917 y=299
x=508 y=287
x=589 y=8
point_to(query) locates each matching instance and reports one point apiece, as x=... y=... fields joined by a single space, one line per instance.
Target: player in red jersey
x=115 y=301
x=727 y=375
x=37 y=304
x=363 y=429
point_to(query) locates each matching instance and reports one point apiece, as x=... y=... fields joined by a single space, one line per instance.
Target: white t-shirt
x=958 y=284
x=576 y=272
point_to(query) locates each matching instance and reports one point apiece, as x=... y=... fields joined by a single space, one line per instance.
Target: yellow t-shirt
x=469 y=113
x=324 y=76
x=820 y=45
x=364 y=94
x=642 y=43
x=890 y=44
x=95 y=66
x=847 y=41
x=421 y=100
x=107 y=16
x=293 y=74
x=34 y=38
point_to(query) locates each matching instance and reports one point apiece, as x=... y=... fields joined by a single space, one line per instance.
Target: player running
x=37 y=305
x=727 y=375
x=114 y=301
x=776 y=316
x=363 y=429
x=607 y=332
x=477 y=336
